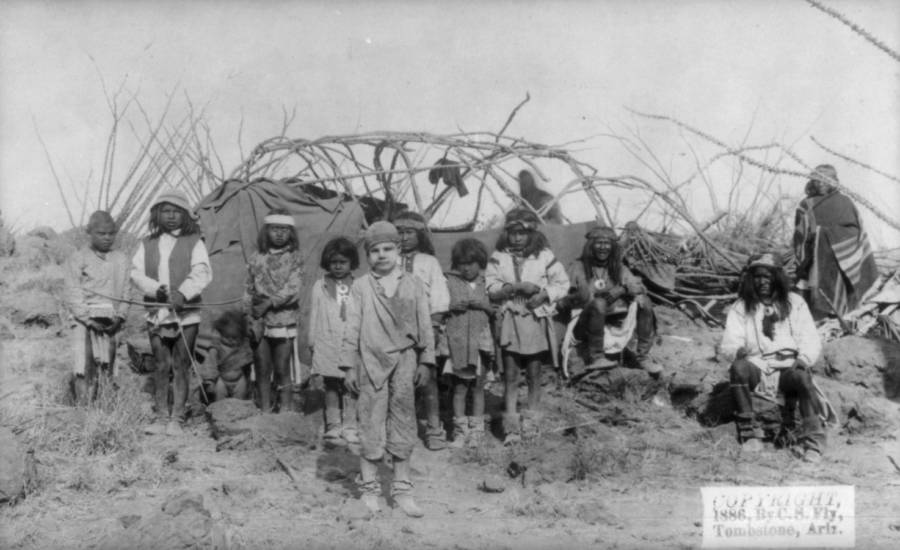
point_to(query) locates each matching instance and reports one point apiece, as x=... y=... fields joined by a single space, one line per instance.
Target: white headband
x=279 y=219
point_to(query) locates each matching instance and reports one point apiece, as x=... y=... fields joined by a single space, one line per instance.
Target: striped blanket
x=833 y=254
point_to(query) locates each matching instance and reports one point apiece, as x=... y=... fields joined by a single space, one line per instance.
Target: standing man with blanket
x=835 y=265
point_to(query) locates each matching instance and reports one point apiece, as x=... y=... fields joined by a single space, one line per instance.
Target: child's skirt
x=470 y=371
x=523 y=332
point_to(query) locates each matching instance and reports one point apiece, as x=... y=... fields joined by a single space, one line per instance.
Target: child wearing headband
x=273 y=290
x=417 y=258
x=525 y=279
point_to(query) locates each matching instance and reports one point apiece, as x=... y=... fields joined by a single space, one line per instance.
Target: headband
x=763 y=260
x=279 y=219
x=526 y=225
x=410 y=223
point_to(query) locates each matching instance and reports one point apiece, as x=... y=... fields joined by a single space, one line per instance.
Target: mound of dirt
x=870 y=363
x=185 y=521
x=13 y=477
x=238 y=424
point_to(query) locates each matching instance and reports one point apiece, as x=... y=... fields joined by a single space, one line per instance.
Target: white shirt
x=197 y=279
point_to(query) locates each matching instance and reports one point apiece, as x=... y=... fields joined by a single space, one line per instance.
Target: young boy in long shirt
x=387 y=349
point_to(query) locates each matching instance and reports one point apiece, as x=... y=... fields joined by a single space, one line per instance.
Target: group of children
x=374 y=339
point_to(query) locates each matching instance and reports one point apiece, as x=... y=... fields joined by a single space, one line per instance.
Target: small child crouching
x=230 y=357
x=328 y=315
x=387 y=348
x=470 y=347
x=96 y=285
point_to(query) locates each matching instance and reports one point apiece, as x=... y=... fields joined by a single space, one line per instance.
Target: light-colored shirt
x=797 y=332
x=427 y=268
x=385 y=317
x=89 y=271
x=543 y=270
x=198 y=278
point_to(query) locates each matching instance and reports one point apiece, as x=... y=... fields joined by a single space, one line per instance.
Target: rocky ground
x=619 y=463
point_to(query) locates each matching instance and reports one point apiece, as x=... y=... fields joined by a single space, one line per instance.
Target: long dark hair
x=262 y=240
x=613 y=263
x=189 y=225
x=425 y=246
x=468 y=251
x=781 y=288
x=339 y=246
x=537 y=241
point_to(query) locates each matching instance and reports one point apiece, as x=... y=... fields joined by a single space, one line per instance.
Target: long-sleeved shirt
x=89 y=271
x=427 y=268
x=797 y=332
x=198 y=278
x=385 y=317
x=543 y=270
x=277 y=276
x=328 y=300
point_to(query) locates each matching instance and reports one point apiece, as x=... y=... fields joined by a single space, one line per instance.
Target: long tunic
x=380 y=327
x=797 y=333
x=523 y=330
x=278 y=276
x=468 y=333
x=327 y=318
x=833 y=253
x=427 y=268
x=199 y=275
x=88 y=271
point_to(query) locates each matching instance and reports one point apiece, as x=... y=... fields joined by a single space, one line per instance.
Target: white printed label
x=779 y=517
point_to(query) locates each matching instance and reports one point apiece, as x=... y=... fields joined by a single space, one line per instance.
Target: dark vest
x=179 y=261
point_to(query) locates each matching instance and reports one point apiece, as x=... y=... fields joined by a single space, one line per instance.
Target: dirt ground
x=621 y=469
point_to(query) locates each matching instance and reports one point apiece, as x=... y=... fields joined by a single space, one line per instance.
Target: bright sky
x=780 y=70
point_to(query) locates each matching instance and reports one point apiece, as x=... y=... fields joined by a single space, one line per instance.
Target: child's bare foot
x=174 y=428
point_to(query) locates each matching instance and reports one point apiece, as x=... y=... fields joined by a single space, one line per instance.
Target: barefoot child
x=273 y=287
x=171 y=268
x=328 y=315
x=230 y=357
x=96 y=285
x=524 y=276
x=417 y=257
x=388 y=346
x=468 y=333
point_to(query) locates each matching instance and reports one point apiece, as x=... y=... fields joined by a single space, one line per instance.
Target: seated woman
x=771 y=342
x=603 y=287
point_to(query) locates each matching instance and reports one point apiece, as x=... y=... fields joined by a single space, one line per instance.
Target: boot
x=460 y=431
x=369 y=486
x=401 y=489
x=476 y=431
x=512 y=429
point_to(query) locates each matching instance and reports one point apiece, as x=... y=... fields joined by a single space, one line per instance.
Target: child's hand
x=177 y=300
x=317 y=382
x=351 y=382
x=115 y=326
x=537 y=299
x=423 y=375
x=260 y=307
x=528 y=289
x=458 y=307
x=162 y=294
